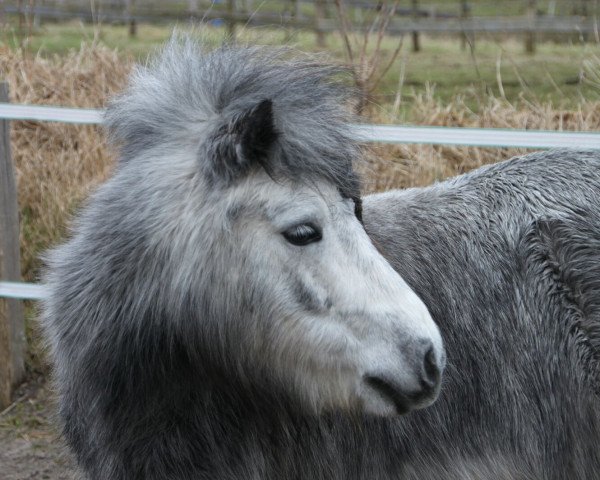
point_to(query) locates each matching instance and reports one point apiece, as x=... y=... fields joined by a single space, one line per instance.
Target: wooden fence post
x=530 y=35
x=231 y=19
x=193 y=7
x=3 y=18
x=291 y=13
x=466 y=37
x=415 y=34
x=12 y=330
x=129 y=15
x=320 y=7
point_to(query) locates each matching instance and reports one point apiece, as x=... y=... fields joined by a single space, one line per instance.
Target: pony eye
x=303 y=234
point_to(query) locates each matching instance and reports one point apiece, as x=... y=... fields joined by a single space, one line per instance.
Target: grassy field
x=555 y=73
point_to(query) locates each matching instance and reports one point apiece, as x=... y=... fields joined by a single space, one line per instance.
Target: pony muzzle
x=416 y=384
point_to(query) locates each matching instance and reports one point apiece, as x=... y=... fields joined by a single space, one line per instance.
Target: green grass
x=513 y=7
x=55 y=38
x=552 y=74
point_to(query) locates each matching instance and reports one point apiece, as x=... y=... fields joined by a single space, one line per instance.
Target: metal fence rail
x=23 y=291
x=11 y=111
x=473 y=137
x=479 y=137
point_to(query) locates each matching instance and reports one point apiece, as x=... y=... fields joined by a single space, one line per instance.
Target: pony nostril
x=431 y=371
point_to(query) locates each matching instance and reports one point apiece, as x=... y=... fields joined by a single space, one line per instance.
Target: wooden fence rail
x=398 y=26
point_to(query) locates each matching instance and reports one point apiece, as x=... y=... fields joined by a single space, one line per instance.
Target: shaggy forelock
x=187 y=96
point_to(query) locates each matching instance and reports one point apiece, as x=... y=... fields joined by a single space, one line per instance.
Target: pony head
x=230 y=236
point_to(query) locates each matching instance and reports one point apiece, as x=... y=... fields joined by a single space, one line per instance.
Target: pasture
x=57 y=165
x=499 y=67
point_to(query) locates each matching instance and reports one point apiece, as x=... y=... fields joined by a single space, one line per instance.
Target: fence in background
x=473 y=137
x=12 y=340
x=527 y=18
x=405 y=20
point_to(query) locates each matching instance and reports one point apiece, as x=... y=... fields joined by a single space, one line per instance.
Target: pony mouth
x=402 y=402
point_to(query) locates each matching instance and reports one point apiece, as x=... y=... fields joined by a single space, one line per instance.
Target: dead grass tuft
x=401 y=166
x=57 y=164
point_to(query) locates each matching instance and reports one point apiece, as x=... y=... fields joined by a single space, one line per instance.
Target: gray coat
x=507 y=258
x=156 y=314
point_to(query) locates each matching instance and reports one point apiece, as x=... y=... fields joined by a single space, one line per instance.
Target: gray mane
x=186 y=92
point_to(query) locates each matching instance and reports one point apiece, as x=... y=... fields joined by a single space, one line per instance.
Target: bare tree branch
x=366 y=65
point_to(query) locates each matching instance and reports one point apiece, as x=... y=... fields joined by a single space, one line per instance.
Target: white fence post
x=12 y=331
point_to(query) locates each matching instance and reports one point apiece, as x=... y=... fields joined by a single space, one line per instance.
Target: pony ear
x=245 y=140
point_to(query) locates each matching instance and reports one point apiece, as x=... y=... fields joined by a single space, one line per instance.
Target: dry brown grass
x=399 y=166
x=58 y=164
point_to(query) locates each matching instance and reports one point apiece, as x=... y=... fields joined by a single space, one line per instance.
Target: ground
x=30 y=447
